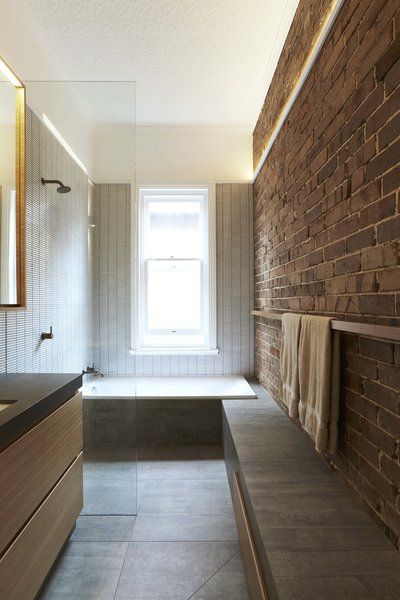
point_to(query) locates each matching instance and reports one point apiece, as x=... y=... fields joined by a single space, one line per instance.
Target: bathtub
x=167 y=411
x=215 y=387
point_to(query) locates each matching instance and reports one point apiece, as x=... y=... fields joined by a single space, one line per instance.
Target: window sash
x=203 y=339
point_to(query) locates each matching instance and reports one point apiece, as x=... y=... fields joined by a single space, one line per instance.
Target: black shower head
x=62 y=189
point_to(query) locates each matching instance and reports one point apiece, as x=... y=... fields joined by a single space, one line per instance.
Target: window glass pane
x=173 y=229
x=173 y=295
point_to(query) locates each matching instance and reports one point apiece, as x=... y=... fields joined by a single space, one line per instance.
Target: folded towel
x=319 y=381
x=289 y=392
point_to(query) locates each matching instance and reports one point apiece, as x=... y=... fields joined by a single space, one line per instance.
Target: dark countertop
x=36 y=396
x=314 y=540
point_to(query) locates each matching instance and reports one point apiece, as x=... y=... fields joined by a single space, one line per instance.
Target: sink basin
x=6 y=404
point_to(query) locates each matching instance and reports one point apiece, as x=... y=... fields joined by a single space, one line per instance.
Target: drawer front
x=30 y=467
x=28 y=560
x=254 y=577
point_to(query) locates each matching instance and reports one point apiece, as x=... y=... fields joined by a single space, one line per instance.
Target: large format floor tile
x=104 y=528
x=109 y=484
x=229 y=583
x=206 y=496
x=183 y=541
x=171 y=570
x=183 y=527
x=86 y=571
x=181 y=463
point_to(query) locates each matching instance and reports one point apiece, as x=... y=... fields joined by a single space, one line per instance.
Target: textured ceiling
x=195 y=62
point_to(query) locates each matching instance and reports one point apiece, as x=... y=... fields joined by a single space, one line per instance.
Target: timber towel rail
x=368 y=329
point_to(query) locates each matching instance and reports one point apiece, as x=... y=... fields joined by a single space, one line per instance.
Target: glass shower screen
x=80 y=165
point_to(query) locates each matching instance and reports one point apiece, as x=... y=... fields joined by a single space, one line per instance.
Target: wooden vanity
x=41 y=485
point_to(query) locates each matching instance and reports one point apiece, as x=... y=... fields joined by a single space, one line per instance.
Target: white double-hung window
x=176 y=270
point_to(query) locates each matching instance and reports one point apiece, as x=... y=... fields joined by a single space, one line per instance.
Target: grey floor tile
x=207 y=496
x=181 y=463
x=170 y=570
x=86 y=571
x=109 y=485
x=103 y=528
x=229 y=583
x=180 y=528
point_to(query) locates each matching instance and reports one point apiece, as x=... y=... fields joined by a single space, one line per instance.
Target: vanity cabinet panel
x=26 y=563
x=31 y=466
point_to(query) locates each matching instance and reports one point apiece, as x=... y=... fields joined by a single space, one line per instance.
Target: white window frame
x=138 y=264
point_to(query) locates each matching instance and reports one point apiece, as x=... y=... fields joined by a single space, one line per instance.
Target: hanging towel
x=289 y=392
x=319 y=381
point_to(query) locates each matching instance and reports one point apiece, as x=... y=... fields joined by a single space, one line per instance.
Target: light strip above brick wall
x=311 y=58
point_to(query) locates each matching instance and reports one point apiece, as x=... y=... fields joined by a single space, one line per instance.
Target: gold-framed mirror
x=12 y=190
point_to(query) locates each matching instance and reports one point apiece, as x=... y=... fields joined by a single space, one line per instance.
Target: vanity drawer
x=30 y=467
x=251 y=563
x=26 y=563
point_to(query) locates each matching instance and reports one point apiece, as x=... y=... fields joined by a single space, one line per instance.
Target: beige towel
x=289 y=391
x=319 y=381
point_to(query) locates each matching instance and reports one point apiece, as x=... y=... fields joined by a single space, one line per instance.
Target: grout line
x=213 y=575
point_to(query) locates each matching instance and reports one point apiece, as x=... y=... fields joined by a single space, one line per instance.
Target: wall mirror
x=12 y=190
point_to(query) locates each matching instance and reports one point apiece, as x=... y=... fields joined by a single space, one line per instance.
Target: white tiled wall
x=58 y=286
x=112 y=275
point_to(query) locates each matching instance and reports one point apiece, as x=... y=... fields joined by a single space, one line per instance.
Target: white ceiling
x=195 y=62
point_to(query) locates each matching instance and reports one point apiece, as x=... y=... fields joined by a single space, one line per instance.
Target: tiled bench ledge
x=313 y=540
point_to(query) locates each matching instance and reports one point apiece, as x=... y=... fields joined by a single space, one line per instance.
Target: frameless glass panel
x=81 y=141
x=173 y=229
x=174 y=295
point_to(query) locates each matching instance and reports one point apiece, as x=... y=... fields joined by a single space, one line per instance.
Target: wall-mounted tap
x=92 y=371
x=47 y=335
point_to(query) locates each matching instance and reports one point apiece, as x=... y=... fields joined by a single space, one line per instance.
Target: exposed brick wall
x=327 y=235
x=305 y=27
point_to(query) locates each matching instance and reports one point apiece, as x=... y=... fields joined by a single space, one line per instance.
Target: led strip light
x=311 y=58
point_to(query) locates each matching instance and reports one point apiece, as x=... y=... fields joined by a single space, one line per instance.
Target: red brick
x=391 y=180
x=374 y=304
x=379 y=256
x=334 y=250
x=361 y=239
x=388 y=59
x=349 y=264
x=389 y=230
x=365 y=196
x=389 y=422
x=378 y=437
x=389 y=279
x=392 y=79
x=390 y=375
x=386 y=207
x=363 y=447
x=382 y=395
x=383 y=161
x=361 y=282
x=376 y=349
x=362 y=366
x=390 y=132
x=391 y=469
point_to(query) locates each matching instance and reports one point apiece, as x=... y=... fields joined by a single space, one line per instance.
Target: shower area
x=81 y=282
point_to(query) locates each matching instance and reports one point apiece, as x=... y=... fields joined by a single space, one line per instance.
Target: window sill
x=174 y=351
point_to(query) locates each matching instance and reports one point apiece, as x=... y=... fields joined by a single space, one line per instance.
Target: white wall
x=216 y=153
x=32 y=60
x=173 y=153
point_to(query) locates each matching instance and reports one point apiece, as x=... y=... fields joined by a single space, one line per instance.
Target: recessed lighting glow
x=60 y=138
x=8 y=74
